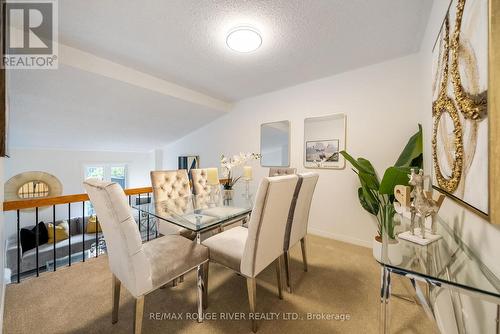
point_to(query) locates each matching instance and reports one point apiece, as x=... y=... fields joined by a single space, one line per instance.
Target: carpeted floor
x=343 y=279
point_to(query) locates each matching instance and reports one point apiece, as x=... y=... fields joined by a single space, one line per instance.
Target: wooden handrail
x=57 y=200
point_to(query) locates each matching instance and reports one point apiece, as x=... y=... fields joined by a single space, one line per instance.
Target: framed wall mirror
x=275 y=144
x=324 y=138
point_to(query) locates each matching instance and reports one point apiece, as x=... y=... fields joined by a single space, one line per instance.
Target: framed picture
x=188 y=162
x=463 y=106
x=324 y=151
x=324 y=138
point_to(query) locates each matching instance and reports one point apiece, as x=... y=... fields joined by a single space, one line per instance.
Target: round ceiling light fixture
x=243 y=39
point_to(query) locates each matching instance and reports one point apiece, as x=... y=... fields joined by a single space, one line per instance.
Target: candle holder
x=213 y=195
x=247 y=194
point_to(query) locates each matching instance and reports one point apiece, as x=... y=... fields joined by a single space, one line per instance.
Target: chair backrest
x=126 y=256
x=267 y=225
x=199 y=178
x=279 y=171
x=299 y=210
x=171 y=186
x=201 y=189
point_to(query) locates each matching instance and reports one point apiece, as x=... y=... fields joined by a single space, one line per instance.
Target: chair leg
x=139 y=312
x=201 y=287
x=116 y=284
x=205 y=280
x=252 y=296
x=304 y=255
x=181 y=278
x=174 y=282
x=286 y=258
x=278 y=276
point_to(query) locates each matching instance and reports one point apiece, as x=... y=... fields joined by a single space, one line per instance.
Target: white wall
x=382 y=112
x=481 y=236
x=68 y=166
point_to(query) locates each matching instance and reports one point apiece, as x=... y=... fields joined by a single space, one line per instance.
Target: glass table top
x=198 y=212
x=448 y=260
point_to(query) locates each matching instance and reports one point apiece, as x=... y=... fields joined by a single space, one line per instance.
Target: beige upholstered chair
x=200 y=186
x=202 y=192
x=171 y=185
x=141 y=268
x=298 y=219
x=279 y=171
x=249 y=250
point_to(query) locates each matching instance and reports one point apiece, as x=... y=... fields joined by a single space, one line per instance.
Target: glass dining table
x=199 y=213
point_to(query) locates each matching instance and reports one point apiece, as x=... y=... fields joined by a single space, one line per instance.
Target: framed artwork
x=461 y=109
x=188 y=162
x=324 y=138
x=322 y=150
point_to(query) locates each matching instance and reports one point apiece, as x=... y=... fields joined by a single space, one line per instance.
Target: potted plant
x=377 y=196
x=228 y=164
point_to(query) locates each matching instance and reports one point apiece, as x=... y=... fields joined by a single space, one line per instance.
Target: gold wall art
x=460 y=108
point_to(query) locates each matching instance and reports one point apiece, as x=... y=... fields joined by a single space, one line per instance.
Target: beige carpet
x=342 y=279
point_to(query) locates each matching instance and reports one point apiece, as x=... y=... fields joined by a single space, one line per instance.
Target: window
x=33 y=189
x=94 y=172
x=107 y=172
x=118 y=175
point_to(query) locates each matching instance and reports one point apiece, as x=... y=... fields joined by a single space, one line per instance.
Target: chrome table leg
x=201 y=288
x=385 y=294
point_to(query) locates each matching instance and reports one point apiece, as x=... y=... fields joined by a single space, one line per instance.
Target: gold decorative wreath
x=445 y=105
x=471 y=106
x=439 y=107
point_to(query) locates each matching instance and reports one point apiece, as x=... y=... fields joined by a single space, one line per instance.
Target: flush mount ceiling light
x=243 y=39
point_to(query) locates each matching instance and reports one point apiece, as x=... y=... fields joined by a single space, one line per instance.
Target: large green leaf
x=368 y=202
x=361 y=167
x=367 y=165
x=412 y=151
x=392 y=177
x=371 y=181
x=388 y=212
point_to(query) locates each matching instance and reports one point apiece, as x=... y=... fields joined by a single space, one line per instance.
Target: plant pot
x=227 y=194
x=393 y=251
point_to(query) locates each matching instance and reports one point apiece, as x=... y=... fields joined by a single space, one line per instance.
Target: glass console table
x=446 y=263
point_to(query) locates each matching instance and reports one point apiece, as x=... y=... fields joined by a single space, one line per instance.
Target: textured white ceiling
x=184 y=40
x=73 y=109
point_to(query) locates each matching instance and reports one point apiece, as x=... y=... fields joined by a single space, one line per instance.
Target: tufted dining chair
x=250 y=250
x=171 y=186
x=201 y=189
x=298 y=220
x=141 y=268
x=279 y=171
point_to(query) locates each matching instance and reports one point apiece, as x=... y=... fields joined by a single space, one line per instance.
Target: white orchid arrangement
x=228 y=163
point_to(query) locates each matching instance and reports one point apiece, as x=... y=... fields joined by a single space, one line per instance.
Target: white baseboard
x=340 y=237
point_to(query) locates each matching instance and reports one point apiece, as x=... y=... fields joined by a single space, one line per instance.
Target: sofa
x=46 y=251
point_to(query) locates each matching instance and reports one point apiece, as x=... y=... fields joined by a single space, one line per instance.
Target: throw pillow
x=62 y=232
x=91 y=225
x=28 y=237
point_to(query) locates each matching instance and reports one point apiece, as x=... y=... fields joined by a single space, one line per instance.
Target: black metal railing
x=146 y=225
